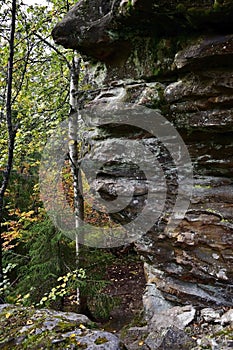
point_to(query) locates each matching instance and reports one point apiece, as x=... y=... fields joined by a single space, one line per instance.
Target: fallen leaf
x=73 y=335
x=29 y=322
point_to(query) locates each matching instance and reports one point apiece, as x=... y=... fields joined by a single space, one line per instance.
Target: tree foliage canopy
x=40 y=80
x=35 y=253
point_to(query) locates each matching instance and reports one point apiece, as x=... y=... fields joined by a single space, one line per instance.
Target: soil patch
x=127 y=283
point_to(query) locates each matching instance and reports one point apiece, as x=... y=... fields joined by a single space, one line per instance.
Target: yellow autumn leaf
x=82 y=326
x=72 y=335
x=26 y=296
x=30 y=212
x=43 y=299
x=29 y=322
x=8 y=314
x=141 y=343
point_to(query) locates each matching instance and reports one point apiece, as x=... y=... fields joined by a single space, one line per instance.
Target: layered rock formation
x=177 y=58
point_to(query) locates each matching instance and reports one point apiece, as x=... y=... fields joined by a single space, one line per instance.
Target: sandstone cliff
x=177 y=58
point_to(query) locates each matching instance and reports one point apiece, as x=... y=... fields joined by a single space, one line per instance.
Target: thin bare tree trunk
x=74 y=157
x=10 y=127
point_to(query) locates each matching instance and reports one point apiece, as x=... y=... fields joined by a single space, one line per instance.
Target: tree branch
x=55 y=49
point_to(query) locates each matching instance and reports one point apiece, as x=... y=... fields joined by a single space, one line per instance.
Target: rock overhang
x=101 y=29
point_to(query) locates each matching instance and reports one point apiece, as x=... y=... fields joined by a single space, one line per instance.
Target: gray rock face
x=153 y=301
x=183 y=328
x=106 y=29
x=136 y=38
x=210 y=315
x=188 y=78
x=171 y=338
x=177 y=316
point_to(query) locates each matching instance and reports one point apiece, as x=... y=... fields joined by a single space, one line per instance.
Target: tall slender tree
x=11 y=128
x=74 y=156
x=38 y=92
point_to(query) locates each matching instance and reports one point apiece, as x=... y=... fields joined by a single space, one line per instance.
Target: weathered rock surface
x=177 y=58
x=125 y=34
x=28 y=328
x=183 y=328
x=173 y=328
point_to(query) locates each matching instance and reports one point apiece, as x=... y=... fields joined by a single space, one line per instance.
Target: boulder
x=29 y=328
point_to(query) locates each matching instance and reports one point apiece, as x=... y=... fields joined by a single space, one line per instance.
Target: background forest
x=37 y=263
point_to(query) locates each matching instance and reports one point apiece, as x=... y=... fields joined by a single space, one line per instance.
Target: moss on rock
x=29 y=328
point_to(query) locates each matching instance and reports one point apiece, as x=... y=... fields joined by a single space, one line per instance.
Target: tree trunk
x=10 y=128
x=74 y=157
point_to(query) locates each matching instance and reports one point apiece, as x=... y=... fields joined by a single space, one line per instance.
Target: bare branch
x=22 y=77
x=55 y=49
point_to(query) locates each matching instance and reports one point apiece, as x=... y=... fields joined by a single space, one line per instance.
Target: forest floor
x=127 y=283
x=124 y=278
